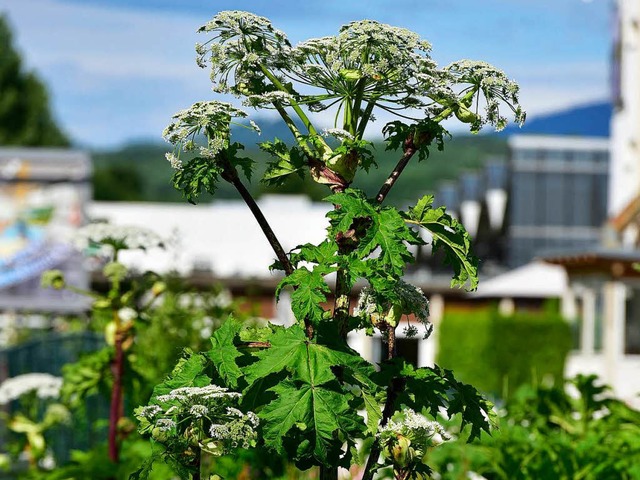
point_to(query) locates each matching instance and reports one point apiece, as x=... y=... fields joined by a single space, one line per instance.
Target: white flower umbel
x=207 y=415
x=337 y=133
x=212 y=118
x=407 y=436
x=416 y=427
x=108 y=237
x=496 y=87
x=45 y=386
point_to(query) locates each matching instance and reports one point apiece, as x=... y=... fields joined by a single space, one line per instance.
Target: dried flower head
x=390 y=306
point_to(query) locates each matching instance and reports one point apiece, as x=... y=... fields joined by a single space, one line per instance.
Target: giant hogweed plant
x=301 y=391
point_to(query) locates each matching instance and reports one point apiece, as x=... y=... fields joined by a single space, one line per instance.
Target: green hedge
x=497 y=354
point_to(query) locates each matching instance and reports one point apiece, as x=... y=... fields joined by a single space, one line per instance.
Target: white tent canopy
x=222 y=236
x=533 y=280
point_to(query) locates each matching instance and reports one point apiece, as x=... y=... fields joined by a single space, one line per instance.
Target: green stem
x=357 y=102
x=294 y=130
x=117 y=367
x=303 y=116
x=317 y=140
x=409 y=151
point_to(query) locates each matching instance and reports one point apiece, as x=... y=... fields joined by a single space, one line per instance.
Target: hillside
x=590 y=120
x=140 y=172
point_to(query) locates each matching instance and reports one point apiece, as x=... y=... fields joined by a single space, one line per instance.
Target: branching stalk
x=231 y=175
x=409 y=151
x=115 y=409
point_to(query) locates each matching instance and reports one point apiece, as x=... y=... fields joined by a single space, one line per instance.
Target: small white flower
x=150 y=411
x=175 y=162
x=109 y=236
x=165 y=424
x=45 y=386
x=198 y=411
x=338 y=133
x=127 y=314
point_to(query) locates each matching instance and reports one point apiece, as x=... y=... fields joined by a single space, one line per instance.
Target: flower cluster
x=212 y=118
x=243 y=46
x=44 y=385
x=206 y=415
x=389 y=307
x=383 y=60
x=108 y=238
x=408 y=435
x=496 y=87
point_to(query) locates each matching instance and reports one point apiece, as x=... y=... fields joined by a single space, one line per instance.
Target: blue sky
x=118 y=69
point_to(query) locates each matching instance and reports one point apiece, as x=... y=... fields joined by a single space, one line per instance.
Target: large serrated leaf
x=318 y=418
x=434 y=388
x=387 y=229
x=304 y=359
x=311 y=291
x=223 y=353
x=450 y=236
x=188 y=372
x=288 y=161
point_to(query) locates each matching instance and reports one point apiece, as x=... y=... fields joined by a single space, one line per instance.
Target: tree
x=25 y=117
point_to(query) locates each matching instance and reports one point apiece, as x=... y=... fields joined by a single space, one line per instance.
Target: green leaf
x=450 y=236
x=223 y=353
x=310 y=416
x=420 y=134
x=433 y=388
x=198 y=175
x=384 y=228
x=304 y=359
x=288 y=161
x=322 y=254
x=316 y=420
x=145 y=469
x=374 y=412
x=188 y=372
x=311 y=291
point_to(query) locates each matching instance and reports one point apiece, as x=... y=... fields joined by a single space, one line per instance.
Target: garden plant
x=547 y=431
x=146 y=320
x=301 y=392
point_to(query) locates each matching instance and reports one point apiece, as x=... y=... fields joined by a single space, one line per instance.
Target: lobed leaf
x=311 y=291
x=188 y=372
x=450 y=236
x=223 y=353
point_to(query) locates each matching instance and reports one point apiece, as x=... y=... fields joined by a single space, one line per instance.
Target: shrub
x=500 y=353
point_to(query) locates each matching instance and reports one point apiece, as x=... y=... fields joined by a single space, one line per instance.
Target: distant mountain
x=588 y=121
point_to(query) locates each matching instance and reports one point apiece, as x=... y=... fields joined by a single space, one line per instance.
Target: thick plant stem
x=409 y=151
x=197 y=464
x=231 y=175
x=396 y=386
x=115 y=410
x=342 y=303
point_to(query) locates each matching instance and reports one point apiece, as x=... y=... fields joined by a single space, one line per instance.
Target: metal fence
x=48 y=354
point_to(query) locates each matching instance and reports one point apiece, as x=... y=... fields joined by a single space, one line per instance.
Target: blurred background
x=86 y=87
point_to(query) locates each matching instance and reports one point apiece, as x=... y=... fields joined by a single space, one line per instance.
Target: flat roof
x=558 y=142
